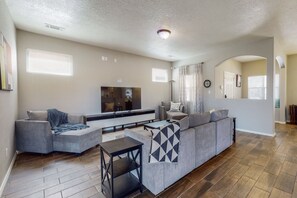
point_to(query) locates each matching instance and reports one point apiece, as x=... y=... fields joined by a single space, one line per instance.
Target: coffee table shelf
x=123 y=185
x=122 y=166
x=117 y=179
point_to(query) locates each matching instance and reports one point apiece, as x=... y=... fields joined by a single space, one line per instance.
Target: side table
x=234 y=129
x=156 y=125
x=117 y=179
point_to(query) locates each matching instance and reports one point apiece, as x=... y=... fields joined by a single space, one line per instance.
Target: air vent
x=54 y=27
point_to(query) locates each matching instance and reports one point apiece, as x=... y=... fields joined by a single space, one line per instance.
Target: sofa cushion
x=76 y=119
x=219 y=115
x=37 y=115
x=197 y=119
x=176 y=115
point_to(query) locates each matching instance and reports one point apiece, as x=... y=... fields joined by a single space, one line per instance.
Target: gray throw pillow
x=219 y=115
x=37 y=115
x=197 y=119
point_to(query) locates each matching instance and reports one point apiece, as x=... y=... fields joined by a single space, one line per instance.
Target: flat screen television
x=120 y=99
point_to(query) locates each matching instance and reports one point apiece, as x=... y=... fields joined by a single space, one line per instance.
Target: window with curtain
x=257 y=87
x=190 y=88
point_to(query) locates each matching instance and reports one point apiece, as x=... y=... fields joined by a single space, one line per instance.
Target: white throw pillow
x=174 y=106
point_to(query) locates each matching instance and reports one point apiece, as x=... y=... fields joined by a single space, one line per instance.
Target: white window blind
x=159 y=75
x=257 y=87
x=44 y=62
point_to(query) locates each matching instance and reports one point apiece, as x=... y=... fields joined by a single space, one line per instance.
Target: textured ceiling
x=131 y=25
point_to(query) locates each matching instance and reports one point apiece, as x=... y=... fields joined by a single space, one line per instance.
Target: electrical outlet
x=104 y=58
x=6 y=152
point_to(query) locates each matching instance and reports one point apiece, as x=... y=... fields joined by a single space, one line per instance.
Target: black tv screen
x=120 y=99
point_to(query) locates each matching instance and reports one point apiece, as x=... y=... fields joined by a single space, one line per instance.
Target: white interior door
x=229 y=84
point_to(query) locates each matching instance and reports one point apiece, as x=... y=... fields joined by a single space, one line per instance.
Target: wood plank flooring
x=255 y=166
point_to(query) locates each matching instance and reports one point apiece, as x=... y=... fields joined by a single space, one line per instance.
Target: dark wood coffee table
x=116 y=177
x=156 y=125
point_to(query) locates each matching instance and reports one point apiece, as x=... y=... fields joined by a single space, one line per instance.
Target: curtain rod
x=189 y=64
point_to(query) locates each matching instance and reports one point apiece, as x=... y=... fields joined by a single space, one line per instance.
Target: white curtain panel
x=190 y=86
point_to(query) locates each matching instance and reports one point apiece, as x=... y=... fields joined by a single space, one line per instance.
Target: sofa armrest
x=33 y=136
x=162 y=112
x=76 y=119
x=182 y=108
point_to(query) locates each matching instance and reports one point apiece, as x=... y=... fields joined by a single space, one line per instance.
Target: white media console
x=121 y=118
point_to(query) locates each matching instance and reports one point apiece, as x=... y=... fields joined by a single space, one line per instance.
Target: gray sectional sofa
x=35 y=135
x=202 y=137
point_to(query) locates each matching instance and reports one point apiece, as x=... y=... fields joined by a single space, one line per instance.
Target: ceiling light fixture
x=164 y=33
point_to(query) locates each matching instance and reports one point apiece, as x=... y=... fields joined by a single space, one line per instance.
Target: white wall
x=291 y=79
x=8 y=99
x=80 y=93
x=280 y=114
x=252 y=115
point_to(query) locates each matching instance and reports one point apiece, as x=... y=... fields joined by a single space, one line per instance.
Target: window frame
x=154 y=77
x=68 y=60
x=263 y=88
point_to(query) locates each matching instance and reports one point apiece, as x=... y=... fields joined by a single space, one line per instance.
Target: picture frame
x=238 y=80
x=6 y=78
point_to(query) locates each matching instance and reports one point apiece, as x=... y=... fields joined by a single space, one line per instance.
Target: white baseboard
x=255 y=132
x=279 y=122
x=7 y=174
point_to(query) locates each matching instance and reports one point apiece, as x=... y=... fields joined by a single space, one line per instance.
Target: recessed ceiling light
x=54 y=27
x=164 y=33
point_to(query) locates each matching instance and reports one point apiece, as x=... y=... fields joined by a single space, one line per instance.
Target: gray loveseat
x=202 y=137
x=35 y=135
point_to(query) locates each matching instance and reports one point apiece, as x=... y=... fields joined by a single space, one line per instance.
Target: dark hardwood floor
x=255 y=166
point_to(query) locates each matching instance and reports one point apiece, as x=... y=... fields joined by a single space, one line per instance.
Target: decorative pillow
x=37 y=115
x=165 y=144
x=174 y=106
x=197 y=119
x=219 y=115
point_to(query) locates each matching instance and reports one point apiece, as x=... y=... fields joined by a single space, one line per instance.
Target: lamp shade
x=164 y=33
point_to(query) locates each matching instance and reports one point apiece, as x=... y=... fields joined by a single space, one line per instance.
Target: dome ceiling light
x=164 y=33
